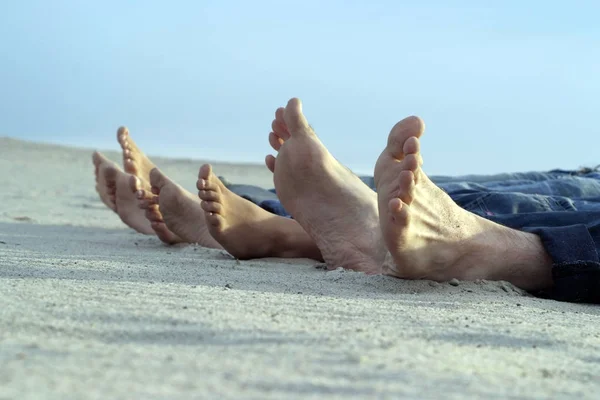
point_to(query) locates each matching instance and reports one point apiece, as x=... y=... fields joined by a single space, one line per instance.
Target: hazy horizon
x=501 y=87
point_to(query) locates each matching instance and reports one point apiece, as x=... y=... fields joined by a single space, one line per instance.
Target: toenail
x=139 y=194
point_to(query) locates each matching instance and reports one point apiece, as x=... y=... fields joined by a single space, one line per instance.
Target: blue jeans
x=561 y=207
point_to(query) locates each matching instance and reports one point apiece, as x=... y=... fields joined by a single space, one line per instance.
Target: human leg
x=429 y=236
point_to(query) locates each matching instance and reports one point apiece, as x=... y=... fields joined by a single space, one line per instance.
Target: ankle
x=513 y=256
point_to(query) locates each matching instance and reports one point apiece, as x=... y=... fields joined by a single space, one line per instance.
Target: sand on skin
x=90 y=309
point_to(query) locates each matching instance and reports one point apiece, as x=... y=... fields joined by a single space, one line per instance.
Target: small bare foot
x=148 y=201
x=429 y=236
x=333 y=205
x=125 y=199
x=180 y=211
x=247 y=231
x=107 y=191
x=135 y=162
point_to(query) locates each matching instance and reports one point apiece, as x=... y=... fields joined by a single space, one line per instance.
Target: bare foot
x=106 y=191
x=135 y=162
x=148 y=201
x=429 y=236
x=333 y=205
x=125 y=198
x=179 y=210
x=247 y=231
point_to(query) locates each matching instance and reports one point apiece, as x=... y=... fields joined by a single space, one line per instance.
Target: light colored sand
x=90 y=309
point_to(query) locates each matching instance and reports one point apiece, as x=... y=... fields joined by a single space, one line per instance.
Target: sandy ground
x=89 y=309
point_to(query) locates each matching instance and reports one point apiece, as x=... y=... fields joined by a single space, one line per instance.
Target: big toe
x=294 y=118
x=208 y=184
x=398 y=141
x=158 y=179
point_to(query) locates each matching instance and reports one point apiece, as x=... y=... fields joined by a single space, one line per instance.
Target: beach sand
x=90 y=309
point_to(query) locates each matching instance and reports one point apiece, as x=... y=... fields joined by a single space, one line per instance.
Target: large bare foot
x=126 y=203
x=179 y=211
x=429 y=236
x=135 y=162
x=334 y=207
x=247 y=231
x=107 y=191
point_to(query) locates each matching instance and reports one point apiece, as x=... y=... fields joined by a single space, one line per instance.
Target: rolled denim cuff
x=576 y=266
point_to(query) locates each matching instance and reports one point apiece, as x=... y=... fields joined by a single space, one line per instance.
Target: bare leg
x=247 y=231
x=429 y=236
x=336 y=209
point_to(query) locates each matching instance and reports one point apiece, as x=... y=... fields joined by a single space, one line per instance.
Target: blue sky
x=502 y=86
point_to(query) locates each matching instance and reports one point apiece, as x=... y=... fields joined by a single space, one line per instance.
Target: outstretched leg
x=429 y=236
x=244 y=229
x=335 y=208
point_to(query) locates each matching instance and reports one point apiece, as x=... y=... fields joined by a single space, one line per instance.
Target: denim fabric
x=561 y=207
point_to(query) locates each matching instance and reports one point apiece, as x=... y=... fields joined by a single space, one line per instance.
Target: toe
x=144 y=204
x=128 y=163
x=211 y=207
x=157 y=179
x=275 y=141
x=294 y=119
x=205 y=171
x=98 y=158
x=279 y=126
x=411 y=162
x=134 y=183
x=406 y=185
x=146 y=199
x=164 y=234
x=207 y=181
x=270 y=162
x=214 y=220
x=399 y=212
x=412 y=145
x=122 y=135
x=209 y=195
x=153 y=214
x=401 y=132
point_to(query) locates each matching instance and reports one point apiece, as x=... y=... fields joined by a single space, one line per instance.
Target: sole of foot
x=180 y=211
x=333 y=205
